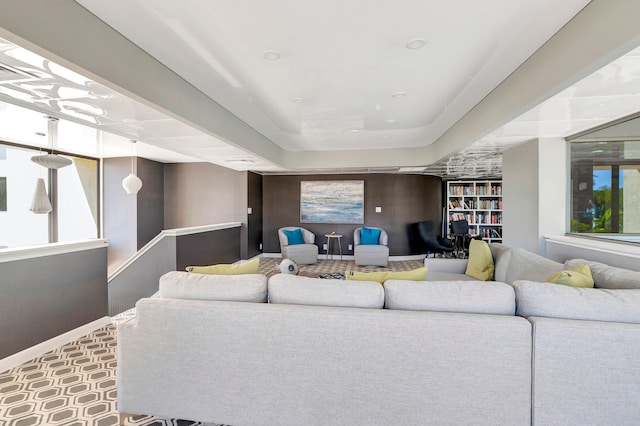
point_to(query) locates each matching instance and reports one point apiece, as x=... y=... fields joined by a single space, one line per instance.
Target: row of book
x=475 y=190
x=479 y=218
x=463 y=204
x=490 y=233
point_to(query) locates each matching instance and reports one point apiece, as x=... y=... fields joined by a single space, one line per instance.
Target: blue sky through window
x=602 y=179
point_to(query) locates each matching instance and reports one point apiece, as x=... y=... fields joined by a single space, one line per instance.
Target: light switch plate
x=249 y=210
x=378 y=209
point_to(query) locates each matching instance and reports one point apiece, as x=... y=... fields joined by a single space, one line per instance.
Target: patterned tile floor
x=75 y=384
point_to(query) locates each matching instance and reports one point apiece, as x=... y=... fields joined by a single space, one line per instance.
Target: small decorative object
x=288 y=266
x=41 y=203
x=132 y=183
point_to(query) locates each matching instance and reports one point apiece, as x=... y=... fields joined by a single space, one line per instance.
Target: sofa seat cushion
x=559 y=301
x=297 y=290
x=236 y=288
x=605 y=276
x=479 y=297
x=525 y=265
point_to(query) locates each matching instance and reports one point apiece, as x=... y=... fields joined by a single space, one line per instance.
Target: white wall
x=534 y=193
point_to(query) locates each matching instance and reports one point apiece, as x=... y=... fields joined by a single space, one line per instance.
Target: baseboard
x=48 y=345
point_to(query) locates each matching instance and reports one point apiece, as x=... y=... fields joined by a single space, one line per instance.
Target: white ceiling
x=341 y=62
x=344 y=79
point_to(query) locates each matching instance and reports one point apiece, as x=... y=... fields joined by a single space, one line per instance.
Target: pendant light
x=40 y=203
x=52 y=161
x=132 y=183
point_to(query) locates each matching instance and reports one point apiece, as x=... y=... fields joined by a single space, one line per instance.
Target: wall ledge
x=620 y=248
x=30 y=252
x=176 y=232
x=198 y=229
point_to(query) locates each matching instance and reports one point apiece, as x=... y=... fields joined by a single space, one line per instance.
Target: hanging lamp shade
x=51 y=161
x=40 y=203
x=132 y=184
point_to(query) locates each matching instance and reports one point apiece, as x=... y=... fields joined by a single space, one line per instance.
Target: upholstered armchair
x=370 y=247
x=298 y=244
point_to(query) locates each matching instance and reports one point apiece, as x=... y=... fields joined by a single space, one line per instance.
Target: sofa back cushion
x=296 y=290
x=605 y=276
x=525 y=265
x=237 y=288
x=501 y=254
x=478 y=297
x=561 y=301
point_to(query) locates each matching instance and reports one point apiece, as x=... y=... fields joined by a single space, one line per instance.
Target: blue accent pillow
x=294 y=237
x=369 y=236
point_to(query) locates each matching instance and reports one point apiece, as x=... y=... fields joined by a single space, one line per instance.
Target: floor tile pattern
x=75 y=384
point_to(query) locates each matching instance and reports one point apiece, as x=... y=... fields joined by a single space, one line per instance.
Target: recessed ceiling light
x=398 y=95
x=271 y=55
x=298 y=100
x=391 y=121
x=416 y=43
x=352 y=131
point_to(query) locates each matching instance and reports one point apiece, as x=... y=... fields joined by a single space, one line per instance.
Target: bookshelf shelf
x=480 y=203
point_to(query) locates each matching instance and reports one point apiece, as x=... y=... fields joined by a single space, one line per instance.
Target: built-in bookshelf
x=480 y=203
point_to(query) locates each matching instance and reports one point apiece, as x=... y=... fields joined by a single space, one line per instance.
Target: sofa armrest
x=451 y=266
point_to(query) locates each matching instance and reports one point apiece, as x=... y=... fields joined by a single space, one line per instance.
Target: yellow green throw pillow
x=250 y=267
x=480 y=265
x=579 y=276
x=382 y=276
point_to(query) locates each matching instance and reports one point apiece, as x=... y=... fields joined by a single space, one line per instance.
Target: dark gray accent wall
x=203 y=194
x=150 y=201
x=46 y=296
x=405 y=199
x=254 y=220
x=208 y=248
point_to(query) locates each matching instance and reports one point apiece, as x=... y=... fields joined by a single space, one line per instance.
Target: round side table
x=330 y=239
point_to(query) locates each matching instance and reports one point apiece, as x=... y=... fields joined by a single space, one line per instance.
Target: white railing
x=170 y=233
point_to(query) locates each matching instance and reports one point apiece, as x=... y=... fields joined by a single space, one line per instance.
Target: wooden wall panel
x=405 y=199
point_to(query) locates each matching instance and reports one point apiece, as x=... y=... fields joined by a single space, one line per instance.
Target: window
x=19 y=226
x=76 y=195
x=73 y=190
x=605 y=199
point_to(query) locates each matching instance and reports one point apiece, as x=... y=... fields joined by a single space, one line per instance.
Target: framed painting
x=332 y=201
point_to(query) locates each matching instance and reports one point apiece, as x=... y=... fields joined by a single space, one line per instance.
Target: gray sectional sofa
x=305 y=351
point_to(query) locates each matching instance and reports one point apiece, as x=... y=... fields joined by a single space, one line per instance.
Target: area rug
x=269 y=267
